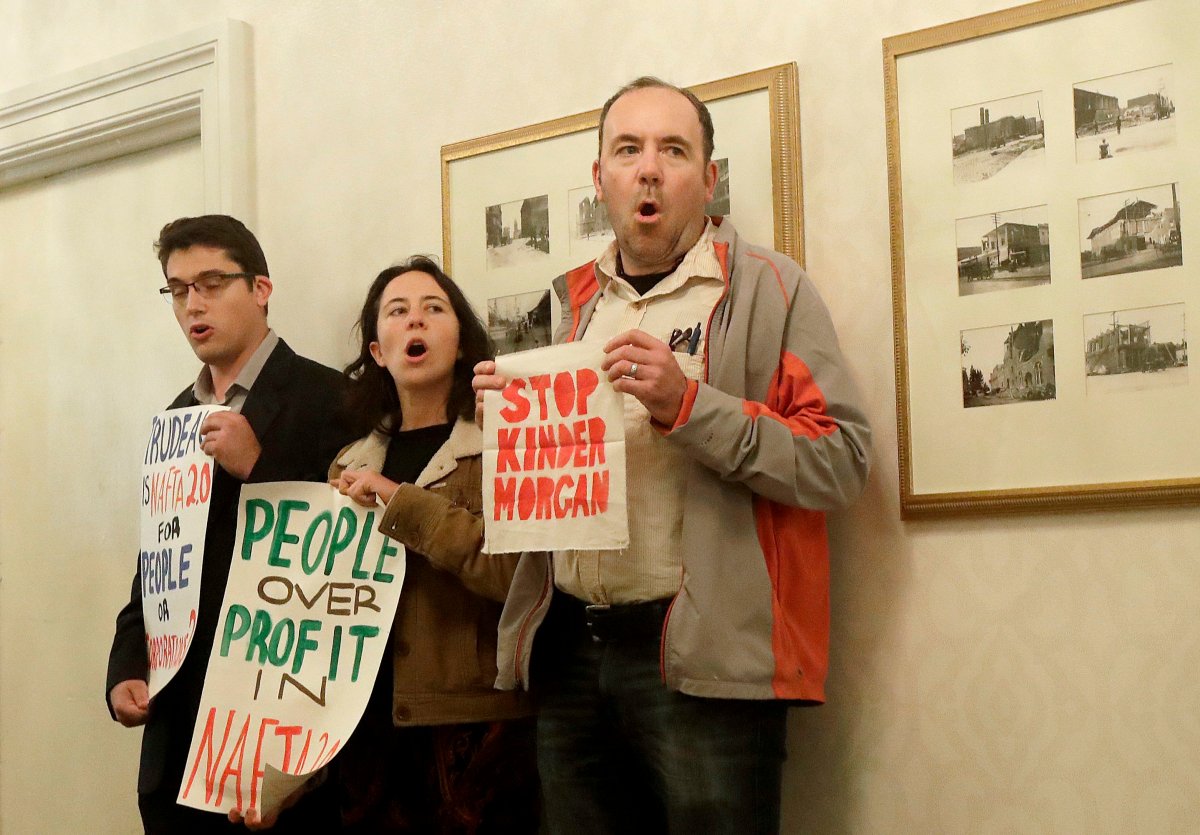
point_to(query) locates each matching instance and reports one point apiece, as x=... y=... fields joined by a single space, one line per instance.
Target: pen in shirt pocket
x=694 y=342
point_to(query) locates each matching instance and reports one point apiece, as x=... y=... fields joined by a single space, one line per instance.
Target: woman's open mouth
x=416 y=349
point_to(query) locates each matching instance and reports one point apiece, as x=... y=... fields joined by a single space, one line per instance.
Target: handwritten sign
x=312 y=592
x=554 y=454
x=177 y=481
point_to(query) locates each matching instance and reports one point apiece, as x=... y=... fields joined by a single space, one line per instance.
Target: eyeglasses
x=176 y=292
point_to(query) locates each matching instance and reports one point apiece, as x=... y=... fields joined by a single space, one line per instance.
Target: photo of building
x=1003 y=250
x=1021 y=361
x=1125 y=113
x=989 y=137
x=1130 y=231
x=1135 y=349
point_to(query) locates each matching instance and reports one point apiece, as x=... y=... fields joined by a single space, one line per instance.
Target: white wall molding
x=194 y=84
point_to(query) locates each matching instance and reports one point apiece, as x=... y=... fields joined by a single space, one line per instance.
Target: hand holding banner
x=554 y=453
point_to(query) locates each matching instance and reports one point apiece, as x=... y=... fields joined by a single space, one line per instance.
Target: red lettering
x=258 y=772
x=304 y=751
x=507 y=457
x=539 y=384
x=287 y=732
x=600 y=492
x=237 y=754
x=587 y=381
x=545 y=494
x=530 y=447
x=580 y=443
x=596 y=429
x=332 y=750
x=545 y=445
x=525 y=498
x=519 y=409
x=565 y=443
x=580 y=502
x=561 y=508
x=211 y=763
x=564 y=393
x=549 y=498
x=504 y=491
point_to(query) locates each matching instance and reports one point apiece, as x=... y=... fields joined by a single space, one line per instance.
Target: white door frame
x=194 y=84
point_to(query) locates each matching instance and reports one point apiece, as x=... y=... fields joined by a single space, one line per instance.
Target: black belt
x=616 y=622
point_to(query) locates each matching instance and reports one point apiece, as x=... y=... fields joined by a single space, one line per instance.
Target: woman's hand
x=366 y=487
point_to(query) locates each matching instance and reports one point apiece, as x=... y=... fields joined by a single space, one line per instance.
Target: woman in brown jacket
x=438 y=750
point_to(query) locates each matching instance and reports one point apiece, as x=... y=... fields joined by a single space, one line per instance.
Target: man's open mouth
x=200 y=330
x=647 y=209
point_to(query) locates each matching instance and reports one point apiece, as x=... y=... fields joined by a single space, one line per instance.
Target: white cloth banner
x=177 y=479
x=312 y=593
x=554 y=454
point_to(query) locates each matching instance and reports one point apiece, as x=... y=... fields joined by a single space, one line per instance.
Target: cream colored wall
x=79 y=323
x=1035 y=674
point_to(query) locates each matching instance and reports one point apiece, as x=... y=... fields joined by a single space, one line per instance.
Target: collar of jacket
x=370 y=452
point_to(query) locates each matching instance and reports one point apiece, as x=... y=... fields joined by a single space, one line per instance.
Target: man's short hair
x=647 y=81
x=221 y=231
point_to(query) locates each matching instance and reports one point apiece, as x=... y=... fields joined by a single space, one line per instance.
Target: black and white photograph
x=1125 y=113
x=1003 y=250
x=1001 y=135
x=517 y=232
x=518 y=322
x=719 y=205
x=1007 y=363
x=1130 y=231
x=1136 y=349
x=588 y=221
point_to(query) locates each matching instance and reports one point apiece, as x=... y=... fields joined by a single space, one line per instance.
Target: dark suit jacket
x=295 y=409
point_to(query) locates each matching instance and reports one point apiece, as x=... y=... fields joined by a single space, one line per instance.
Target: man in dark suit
x=283 y=425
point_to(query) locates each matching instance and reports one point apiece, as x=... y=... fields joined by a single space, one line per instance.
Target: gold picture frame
x=1082 y=432
x=756 y=115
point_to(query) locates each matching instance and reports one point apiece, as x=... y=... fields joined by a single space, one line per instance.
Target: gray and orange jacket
x=775 y=439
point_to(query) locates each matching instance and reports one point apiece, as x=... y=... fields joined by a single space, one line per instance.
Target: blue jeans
x=619 y=752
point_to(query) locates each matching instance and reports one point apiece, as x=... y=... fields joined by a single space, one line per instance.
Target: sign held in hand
x=554 y=454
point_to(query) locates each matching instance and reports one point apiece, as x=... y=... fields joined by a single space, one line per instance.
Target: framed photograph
x=519 y=208
x=519 y=321
x=1049 y=147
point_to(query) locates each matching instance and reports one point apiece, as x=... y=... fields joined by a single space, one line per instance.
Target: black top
x=408 y=453
x=645 y=283
x=410 y=450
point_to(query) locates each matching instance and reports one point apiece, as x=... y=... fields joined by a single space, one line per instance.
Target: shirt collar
x=203 y=388
x=699 y=262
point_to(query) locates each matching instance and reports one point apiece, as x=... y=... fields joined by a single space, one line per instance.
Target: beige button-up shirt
x=650 y=568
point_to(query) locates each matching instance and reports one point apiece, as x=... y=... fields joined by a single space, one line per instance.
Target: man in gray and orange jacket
x=663 y=671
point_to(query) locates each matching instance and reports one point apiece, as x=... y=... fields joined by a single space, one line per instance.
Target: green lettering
x=305 y=643
x=385 y=550
x=253 y=531
x=259 y=630
x=357 y=572
x=362 y=632
x=326 y=517
x=233 y=628
x=279 y=657
x=281 y=535
x=343 y=535
x=337 y=651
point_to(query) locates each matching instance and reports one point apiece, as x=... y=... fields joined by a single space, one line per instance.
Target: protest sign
x=554 y=453
x=312 y=592
x=177 y=481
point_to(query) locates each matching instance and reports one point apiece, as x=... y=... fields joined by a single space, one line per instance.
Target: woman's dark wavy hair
x=372 y=398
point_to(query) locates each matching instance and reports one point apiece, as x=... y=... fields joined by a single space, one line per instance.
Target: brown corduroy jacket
x=444 y=635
